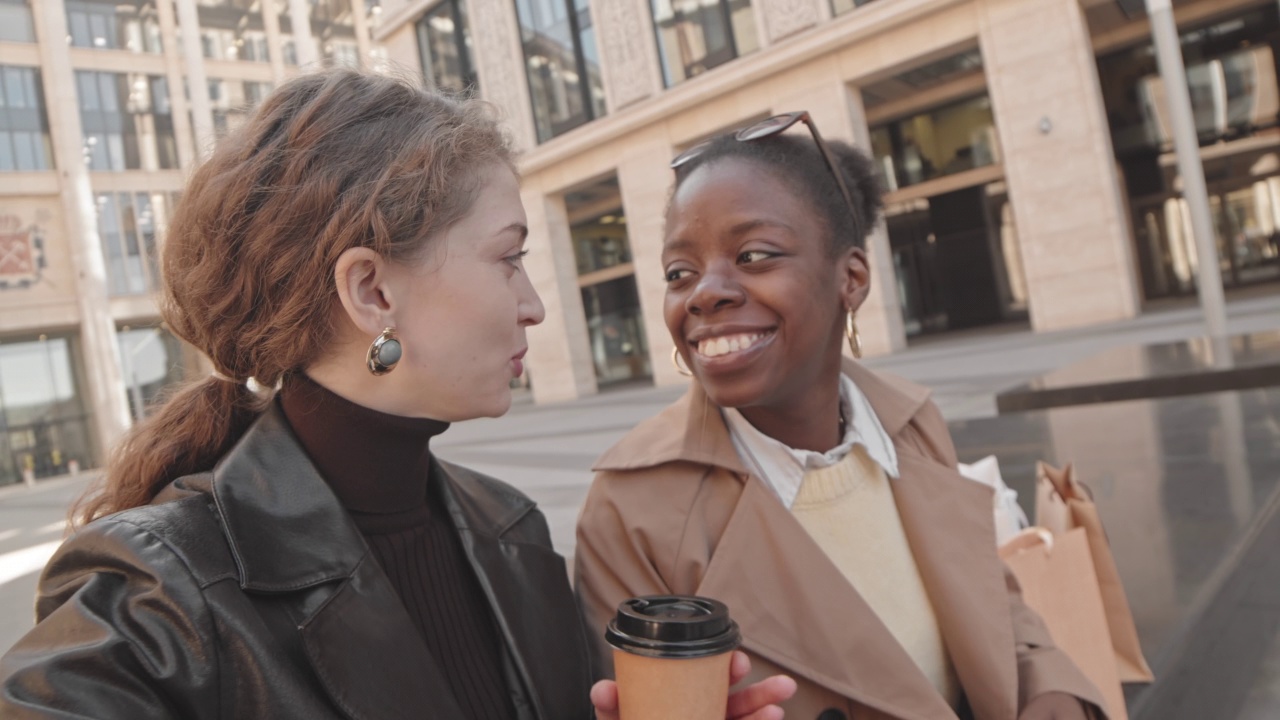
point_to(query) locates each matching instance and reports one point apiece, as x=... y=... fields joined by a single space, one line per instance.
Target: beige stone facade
x=998 y=137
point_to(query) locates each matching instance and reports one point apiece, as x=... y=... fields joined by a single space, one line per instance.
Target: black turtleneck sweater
x=378 y=465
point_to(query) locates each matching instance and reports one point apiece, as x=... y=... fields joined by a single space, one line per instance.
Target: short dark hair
x=797 y=159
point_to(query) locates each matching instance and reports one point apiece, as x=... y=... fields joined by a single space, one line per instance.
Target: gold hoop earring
x=384 y=353
x=675 y=360
x=851 y=332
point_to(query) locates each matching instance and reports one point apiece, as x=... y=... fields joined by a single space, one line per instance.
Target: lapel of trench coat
x=795 y=607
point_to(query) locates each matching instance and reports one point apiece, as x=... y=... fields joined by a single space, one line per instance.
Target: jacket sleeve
x=1042 y=667
x=610 y=565
x=123 y=632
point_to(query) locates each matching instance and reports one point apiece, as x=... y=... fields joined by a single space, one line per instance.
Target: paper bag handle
x=1026 y=540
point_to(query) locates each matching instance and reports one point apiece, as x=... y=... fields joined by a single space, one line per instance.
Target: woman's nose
x=714 y=291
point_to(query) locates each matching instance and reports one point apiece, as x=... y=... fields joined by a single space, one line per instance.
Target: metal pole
x=1173 y=75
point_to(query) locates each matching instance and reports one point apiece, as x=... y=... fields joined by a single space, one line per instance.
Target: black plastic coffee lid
x=673 y=626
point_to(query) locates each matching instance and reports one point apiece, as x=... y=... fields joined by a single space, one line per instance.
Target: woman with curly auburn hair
x=277 y=539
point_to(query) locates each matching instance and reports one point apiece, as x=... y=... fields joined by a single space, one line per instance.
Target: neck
x=811 y=422
x=375 y=462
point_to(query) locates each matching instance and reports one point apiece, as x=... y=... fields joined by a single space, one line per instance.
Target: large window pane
x=114 y=25
x=131 y=226
x=947 y=140
x=127 y=121
x=697 y=35
x=564 y=74
x=840 y=7
x=444 y=44
x=232 y=100
x=232 y=30
x=43 y=421
x=151 y=360
x=15 y=21
x=24 y=129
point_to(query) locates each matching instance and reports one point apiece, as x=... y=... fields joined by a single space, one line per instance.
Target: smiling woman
x=819 y=500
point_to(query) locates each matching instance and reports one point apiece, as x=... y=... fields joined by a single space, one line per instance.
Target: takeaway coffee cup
x=671 y=657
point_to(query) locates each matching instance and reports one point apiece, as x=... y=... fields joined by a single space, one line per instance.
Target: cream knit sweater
x=848 y=509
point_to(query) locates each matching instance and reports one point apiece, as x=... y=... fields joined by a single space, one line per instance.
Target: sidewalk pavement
x=547 y=450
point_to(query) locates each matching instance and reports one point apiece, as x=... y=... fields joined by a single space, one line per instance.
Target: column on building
x=197 y=79
x=559 y=359
x=646 y=184
x=183 y=132
x=304 y=41
x=97 y=328
x=837 y=110
x=1059 y=162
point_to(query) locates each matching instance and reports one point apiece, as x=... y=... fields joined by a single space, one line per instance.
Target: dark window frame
x=456 y=11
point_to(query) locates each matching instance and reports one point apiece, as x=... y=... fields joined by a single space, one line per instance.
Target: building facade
x=99 y=126
x=1024 y=145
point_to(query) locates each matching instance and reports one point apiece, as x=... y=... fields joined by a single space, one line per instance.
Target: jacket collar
x=692 y=429
x=286 y=528
x=288 y=532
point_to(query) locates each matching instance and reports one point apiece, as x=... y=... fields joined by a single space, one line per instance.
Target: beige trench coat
x=674 y=510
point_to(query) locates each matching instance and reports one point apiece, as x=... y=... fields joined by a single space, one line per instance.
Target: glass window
x=947 y=140
x=444 y=44
x=232 y=30
x=24 y=128
x=151 y=360
x=232 y=100
x=618 y=341
x=44 y=424
x=840 y=7
x=1231 y=76
x=114 y=25
x=15 y=21
x=130 y=226
x=561 y=63
x=598 y=227
x=127 y=120
x=333 y=27
x=697 y=35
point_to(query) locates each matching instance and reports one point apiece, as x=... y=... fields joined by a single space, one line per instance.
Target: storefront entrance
x=956 y=260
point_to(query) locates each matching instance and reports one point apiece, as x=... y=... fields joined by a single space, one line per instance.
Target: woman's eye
x=674 y=275
x=517 y=258
x=751 y=256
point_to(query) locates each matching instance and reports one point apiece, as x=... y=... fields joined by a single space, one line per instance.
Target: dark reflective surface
x=1186 y=367
x=1188 y=489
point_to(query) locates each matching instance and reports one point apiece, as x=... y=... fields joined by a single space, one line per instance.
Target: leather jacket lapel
x=291 y=538
x=534 y=632
x=369 y=656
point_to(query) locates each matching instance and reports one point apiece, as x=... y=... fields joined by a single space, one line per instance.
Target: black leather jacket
x=247 y=592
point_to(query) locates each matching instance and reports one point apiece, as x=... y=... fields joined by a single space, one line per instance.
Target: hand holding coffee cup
x=671 y=655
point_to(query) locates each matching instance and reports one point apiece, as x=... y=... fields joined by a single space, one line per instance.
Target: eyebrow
x=683 y=243
x=520 y=228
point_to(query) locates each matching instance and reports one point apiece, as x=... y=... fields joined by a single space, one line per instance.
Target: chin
x=739 y=393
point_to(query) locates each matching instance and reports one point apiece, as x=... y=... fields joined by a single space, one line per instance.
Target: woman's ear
x=855 y=277
x=362 y=277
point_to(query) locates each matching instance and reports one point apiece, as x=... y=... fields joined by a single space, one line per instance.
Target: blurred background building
x=1024 y=145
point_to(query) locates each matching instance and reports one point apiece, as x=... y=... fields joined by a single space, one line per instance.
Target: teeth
x=715 y=347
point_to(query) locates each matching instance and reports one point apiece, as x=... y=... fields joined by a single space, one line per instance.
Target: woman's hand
x=1054 y=706
x=754 y=702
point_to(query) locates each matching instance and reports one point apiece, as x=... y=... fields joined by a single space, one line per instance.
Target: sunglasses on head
x=777 y=125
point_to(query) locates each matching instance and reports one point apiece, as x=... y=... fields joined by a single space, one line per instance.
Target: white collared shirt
x=783 y=468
